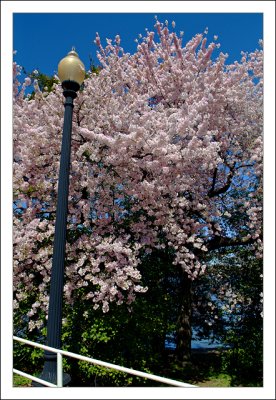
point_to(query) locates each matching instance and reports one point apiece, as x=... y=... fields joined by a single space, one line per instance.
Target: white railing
x=61 y=353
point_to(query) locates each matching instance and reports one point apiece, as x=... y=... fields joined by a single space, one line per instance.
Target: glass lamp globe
x=71 y=68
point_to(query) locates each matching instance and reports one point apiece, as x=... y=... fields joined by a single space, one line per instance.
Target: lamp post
x=71 y=72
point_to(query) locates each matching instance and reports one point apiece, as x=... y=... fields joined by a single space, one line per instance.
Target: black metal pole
x=54 y=323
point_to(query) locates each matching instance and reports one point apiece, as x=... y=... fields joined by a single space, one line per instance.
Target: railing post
x=59 y=370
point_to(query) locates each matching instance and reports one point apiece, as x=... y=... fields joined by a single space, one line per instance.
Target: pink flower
x=27 y=81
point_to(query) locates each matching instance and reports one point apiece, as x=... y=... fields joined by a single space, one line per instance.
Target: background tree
x=228 y=309
x=166 y=142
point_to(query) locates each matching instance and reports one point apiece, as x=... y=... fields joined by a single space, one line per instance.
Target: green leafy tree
x=228 y=309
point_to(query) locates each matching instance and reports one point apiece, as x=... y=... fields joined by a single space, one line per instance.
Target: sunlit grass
x=19 y=380
x=221 y=380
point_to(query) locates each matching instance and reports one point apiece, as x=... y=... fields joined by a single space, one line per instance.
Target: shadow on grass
x=206 y=369
x=205 y=366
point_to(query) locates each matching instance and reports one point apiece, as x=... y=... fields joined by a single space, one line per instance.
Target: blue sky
x=42 y=39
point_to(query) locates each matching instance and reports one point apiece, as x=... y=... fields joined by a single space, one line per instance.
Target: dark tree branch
x=145 y=174
x=214 y=179
x=215 y=192
x=140 y=157
x=244 y=166
x=219 y=242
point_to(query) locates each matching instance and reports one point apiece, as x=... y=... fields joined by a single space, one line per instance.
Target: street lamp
x=71 y=72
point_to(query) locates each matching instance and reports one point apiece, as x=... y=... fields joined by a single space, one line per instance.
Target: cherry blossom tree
x=166 y=153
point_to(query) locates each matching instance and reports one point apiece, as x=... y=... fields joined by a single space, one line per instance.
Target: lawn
x=21 y=381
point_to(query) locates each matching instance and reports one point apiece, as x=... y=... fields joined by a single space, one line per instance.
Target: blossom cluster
x=158 y=137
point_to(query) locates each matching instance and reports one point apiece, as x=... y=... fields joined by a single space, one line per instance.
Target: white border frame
x=266 y=7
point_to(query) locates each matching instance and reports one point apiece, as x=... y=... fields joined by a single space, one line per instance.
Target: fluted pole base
x=49 y=374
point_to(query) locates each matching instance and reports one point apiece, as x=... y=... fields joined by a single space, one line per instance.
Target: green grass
x=220 y=380
x=19 y=380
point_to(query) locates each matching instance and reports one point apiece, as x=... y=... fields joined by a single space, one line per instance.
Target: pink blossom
x=157 y=134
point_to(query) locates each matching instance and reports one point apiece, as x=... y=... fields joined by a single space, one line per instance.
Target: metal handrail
x=90 y=360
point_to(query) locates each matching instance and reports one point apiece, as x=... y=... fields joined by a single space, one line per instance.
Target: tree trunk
x=184 y=329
